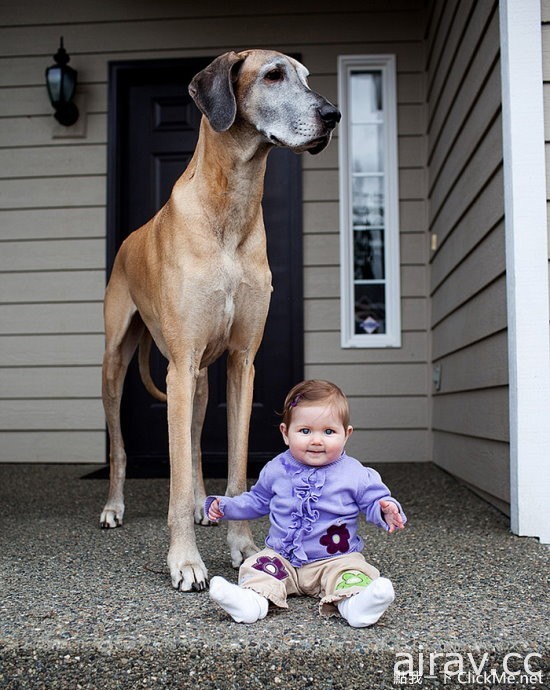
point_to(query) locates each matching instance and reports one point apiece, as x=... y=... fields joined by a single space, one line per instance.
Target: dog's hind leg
x=200 y=401
x=123 y=330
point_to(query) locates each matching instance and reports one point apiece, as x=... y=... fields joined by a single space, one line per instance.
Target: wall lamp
x=61 y=83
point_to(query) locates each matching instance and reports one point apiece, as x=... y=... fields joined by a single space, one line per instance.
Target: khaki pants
x=331 y=579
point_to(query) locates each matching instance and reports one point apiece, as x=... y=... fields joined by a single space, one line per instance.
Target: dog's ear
x=212 y=90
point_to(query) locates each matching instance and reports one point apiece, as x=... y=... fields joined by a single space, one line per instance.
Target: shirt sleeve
x=371 y=492
x=248 y=505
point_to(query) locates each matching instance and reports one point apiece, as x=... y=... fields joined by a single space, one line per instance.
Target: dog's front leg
x=187 y=569
x=240 y=381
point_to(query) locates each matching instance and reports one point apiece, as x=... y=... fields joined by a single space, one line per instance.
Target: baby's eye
x=303 y=431
x=329 y=432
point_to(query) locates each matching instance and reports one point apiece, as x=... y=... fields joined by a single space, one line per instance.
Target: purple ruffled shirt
x=313 y=510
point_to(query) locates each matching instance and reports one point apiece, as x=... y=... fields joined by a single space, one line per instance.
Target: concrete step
x=92 y=609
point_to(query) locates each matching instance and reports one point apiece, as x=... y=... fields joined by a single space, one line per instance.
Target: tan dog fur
x=196 y=278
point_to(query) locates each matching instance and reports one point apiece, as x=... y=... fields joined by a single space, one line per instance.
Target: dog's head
x=269 y=91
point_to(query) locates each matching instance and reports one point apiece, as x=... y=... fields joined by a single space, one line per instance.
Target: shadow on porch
x=85 y=608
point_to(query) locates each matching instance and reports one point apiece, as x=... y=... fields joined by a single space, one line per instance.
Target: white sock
x=243 y=605
x=366 y=607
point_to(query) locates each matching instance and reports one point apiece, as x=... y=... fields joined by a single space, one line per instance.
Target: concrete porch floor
x=84 y=608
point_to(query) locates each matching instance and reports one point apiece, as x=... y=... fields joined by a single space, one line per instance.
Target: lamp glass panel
x=54 y=80
x=61 y=82
x=68 y=83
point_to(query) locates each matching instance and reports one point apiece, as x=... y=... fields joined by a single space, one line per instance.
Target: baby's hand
x=392 y=516
x=214 y=512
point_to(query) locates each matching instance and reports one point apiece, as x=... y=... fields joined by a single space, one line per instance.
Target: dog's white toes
x=187 y=573
x=110 y=519
x=240 y=541
x=190 y=579
x=239 y=554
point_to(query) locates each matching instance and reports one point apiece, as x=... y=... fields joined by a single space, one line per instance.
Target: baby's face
x=315 y=436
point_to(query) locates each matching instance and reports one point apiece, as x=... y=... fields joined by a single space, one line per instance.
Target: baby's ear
x=283 y=430
x=349 y=432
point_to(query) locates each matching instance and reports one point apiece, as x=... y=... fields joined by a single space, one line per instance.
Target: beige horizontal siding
x=59 y=382
x=72 y=160
x=224 y=31
x=477 y=270
x=483 y=364
x=48 y=255
x=58 y=318
x=484 y=164
x=467 y=269
x=53 y=196
x=468 y=459
x=106 y=10
x=52 y=286
x=38 y=130
x=475 y=320
x=381 y=446
x=52 y=223
x=465 y=237
x=482 y=414
x=61 y=349
x=67 y=414
x=53 y=191
x=373 y=379
x=52 y=446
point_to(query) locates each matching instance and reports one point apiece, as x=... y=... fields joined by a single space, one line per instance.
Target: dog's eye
x=274 y=75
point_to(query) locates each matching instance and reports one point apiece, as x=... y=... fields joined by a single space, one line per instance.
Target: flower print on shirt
x=336 y=539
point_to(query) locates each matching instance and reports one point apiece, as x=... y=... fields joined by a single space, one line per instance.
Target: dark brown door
x=153 y=129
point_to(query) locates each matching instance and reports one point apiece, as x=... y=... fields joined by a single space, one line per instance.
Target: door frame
x=122 y=74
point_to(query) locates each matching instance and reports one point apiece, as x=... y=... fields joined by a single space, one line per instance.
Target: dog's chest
x=230 y=286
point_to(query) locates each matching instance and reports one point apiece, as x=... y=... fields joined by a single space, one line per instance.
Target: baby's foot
x=243 y=605
x=366 y=607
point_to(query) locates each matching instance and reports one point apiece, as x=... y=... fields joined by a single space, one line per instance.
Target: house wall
x=467 y=269
x=53 y=195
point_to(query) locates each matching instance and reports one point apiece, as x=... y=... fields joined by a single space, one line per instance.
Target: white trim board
x=526 y=267
x=392 y=337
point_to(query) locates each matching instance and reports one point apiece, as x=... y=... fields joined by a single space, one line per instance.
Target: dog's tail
x=144 y=368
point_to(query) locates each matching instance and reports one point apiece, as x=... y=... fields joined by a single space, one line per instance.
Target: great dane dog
x=196 y=279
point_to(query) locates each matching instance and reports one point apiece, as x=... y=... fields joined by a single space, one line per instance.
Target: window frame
x=392 y=337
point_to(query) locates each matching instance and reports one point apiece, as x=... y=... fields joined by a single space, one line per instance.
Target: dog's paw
x=111 y=518
x=201 y=518
x=238 y=555
x=241 y=544
x=187 y=575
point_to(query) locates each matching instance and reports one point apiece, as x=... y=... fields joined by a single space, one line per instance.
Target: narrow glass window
x=369 y=225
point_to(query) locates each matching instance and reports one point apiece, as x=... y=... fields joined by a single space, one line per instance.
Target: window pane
x=369 y=231
x=366 y=148
x=370 y=309
x=368 y=202
x=366 y=96
x=368 y=255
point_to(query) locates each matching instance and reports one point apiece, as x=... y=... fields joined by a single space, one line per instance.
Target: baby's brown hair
x=312 y=391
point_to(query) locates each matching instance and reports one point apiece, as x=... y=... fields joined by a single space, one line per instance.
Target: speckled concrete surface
x=84 y=608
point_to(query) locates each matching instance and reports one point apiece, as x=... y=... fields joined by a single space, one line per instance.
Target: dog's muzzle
x=330 y=117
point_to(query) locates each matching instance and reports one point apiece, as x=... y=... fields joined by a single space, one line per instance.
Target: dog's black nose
x=330 y=115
